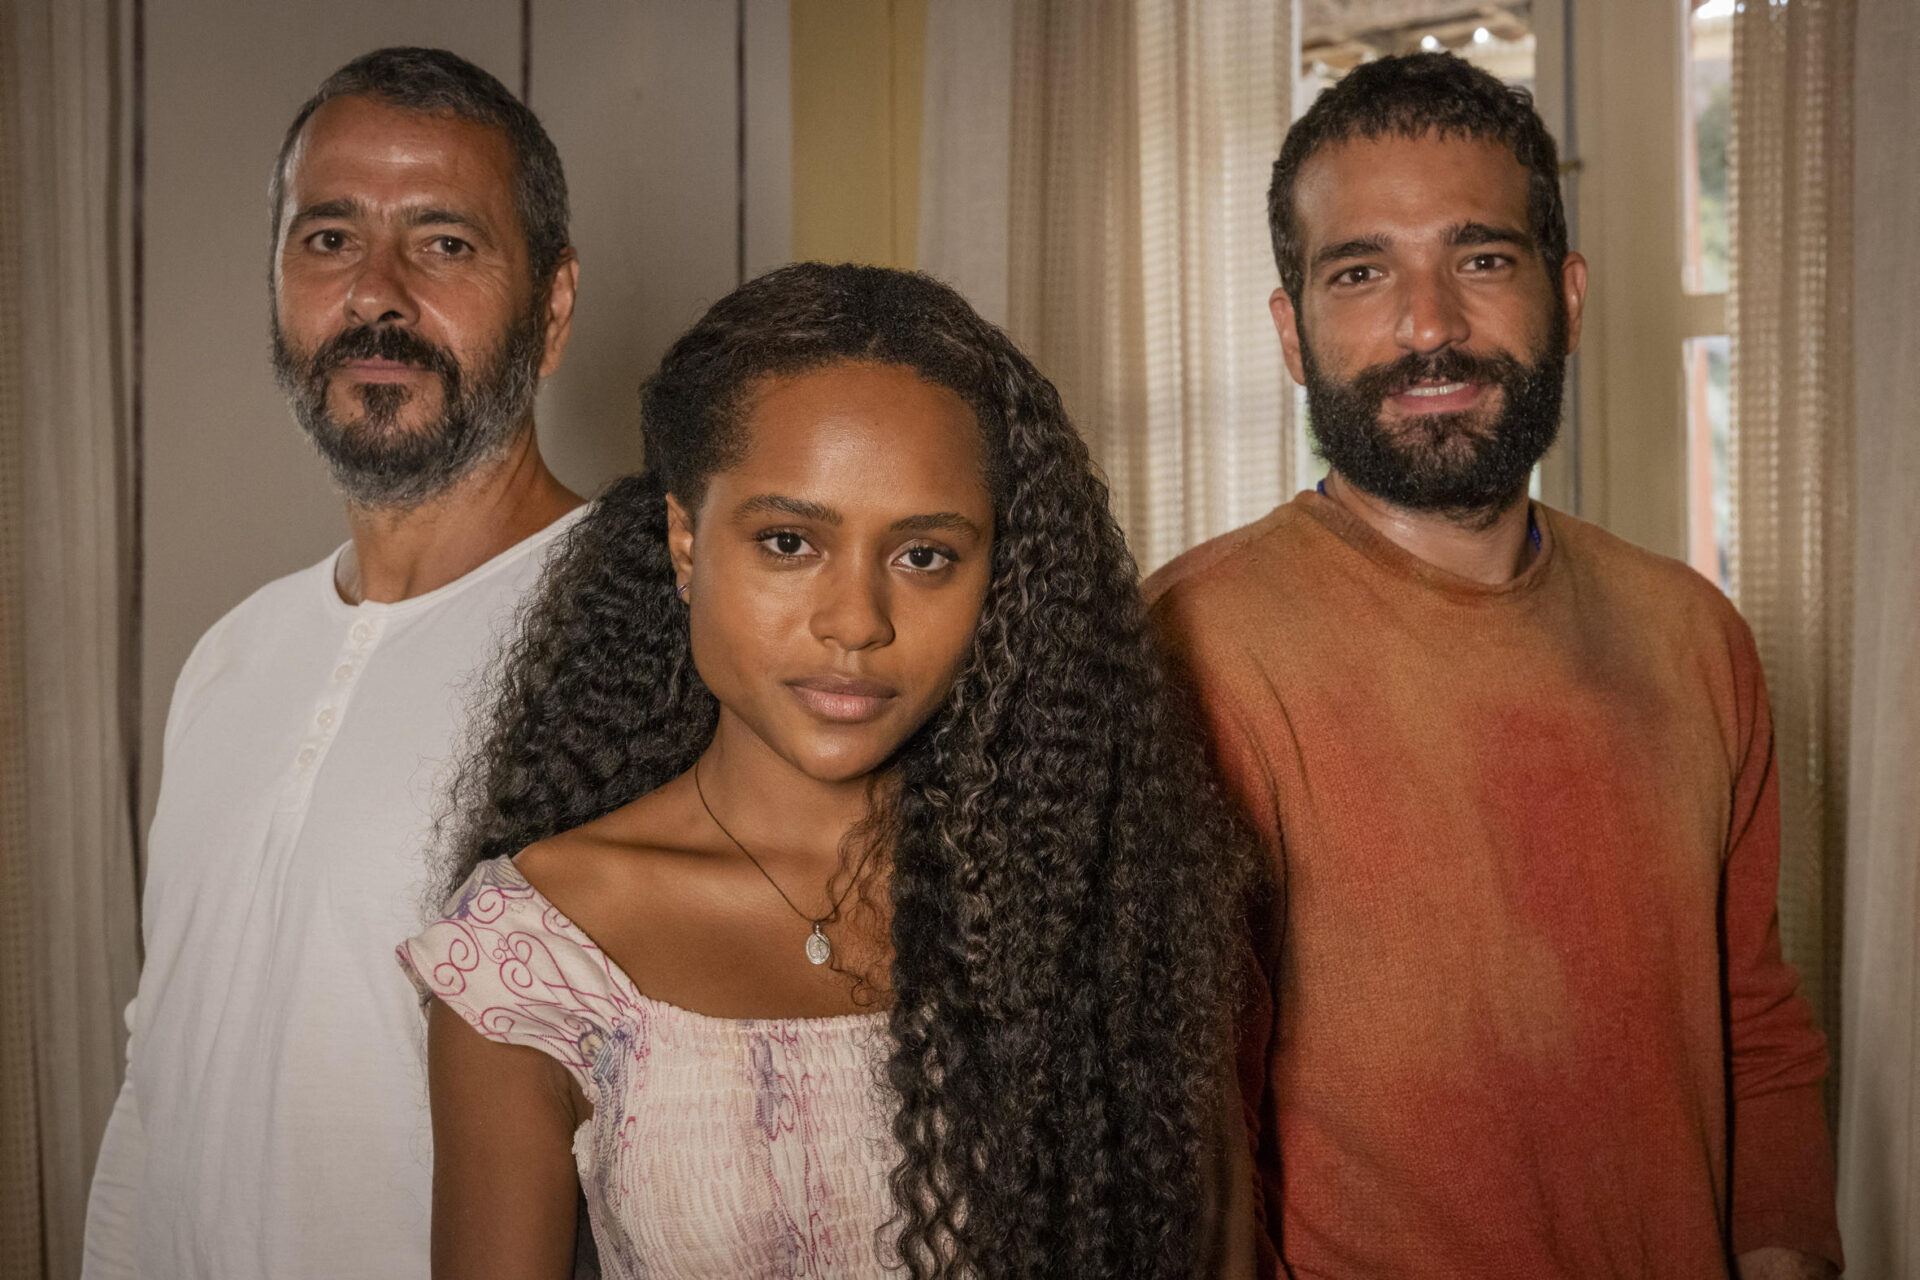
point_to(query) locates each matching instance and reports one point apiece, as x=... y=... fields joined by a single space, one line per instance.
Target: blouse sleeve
x=517 y=971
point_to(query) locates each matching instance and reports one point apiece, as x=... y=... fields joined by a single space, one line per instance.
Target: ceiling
x=1343 y=32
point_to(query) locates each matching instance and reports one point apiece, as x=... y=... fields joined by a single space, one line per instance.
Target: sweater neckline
x=1396 y=560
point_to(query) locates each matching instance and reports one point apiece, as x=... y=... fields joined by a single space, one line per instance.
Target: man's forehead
x=1364 y=185
x=369 y=138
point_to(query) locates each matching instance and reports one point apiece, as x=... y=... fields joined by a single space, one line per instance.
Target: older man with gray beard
x=273 y=1120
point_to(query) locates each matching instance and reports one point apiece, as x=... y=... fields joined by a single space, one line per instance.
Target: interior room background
x=1092 y=174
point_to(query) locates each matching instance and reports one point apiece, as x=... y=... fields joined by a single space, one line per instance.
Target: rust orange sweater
x=1523 y=1011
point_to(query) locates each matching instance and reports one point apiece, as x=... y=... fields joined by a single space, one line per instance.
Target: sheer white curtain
x=1880 y=1071
x=966 y=149
x=67 y=862
x=1134 y=265
x=1826 y=558
x=1792 y=551
x=20 y=1244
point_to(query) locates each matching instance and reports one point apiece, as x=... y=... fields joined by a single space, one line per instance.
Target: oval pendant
x=819 y=950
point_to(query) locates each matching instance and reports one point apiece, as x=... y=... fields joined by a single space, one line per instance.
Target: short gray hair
x=435 y=82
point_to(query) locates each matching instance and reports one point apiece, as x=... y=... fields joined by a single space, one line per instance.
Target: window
x=1706 y=113
x=1650 y=82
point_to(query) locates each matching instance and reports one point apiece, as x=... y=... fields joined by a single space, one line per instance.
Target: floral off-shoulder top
x=717 y=1147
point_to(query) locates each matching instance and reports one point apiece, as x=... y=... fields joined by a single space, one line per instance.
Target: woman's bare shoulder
x=620 y=859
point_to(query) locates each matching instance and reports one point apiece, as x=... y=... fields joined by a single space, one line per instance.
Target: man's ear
x=680 y=541
x=1287 y=323
x=561 y=290
x=1573 y=287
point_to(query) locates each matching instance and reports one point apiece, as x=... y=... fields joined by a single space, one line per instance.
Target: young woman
x=838 y=894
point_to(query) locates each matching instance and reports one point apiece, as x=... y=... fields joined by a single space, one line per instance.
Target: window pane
x=1709 y=105
x=1709 y=506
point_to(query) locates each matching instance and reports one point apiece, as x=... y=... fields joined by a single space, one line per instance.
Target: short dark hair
x=436 y=82
x=1407 y=96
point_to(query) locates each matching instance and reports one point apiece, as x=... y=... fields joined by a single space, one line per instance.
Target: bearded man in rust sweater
x=1523 y=1011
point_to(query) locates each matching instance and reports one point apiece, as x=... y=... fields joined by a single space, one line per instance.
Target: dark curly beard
x=375 y=461
x=1463 y=465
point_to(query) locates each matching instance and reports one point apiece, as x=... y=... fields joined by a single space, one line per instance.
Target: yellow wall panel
x=857 y=74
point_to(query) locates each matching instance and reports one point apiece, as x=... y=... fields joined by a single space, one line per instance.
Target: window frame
x=1628 y=466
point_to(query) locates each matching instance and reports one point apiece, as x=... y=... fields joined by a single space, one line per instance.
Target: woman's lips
x=840 y=699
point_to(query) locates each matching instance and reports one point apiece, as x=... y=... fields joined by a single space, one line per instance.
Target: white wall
x=641 y=98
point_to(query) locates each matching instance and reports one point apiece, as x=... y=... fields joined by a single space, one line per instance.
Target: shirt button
x=307 y=756
x=343 y=672
x=325 y=718
x=361 y=633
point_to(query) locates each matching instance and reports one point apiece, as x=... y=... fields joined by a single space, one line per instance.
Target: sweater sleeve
x=1782 y=1176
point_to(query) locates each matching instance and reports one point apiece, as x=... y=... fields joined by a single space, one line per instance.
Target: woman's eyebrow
x=780 y=504
x=937 y=522
x=821 y=513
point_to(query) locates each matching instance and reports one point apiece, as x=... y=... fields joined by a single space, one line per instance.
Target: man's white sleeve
x=113 y=1209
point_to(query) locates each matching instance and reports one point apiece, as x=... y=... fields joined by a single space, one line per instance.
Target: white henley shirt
x=273 y=1122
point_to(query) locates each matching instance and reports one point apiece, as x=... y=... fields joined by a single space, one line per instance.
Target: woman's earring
x=681 y=590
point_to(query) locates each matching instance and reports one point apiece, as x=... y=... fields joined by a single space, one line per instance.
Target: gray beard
x=377 y=463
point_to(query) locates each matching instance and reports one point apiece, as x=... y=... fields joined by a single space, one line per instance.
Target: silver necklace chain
x=819 y=948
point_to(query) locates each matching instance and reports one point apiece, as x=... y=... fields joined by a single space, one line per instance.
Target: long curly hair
x=1063 y=878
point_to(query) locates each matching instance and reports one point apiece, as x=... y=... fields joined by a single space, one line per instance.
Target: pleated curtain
x=1880 y=1068
x=1143 y=133
x=68 y=931
x=1791 y=474
x=20 y=1241
x=1094 y=176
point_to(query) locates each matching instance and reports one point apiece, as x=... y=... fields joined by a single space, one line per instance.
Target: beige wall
x=641 y=99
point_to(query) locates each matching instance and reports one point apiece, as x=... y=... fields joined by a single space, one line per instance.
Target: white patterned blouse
x=717 y=1147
